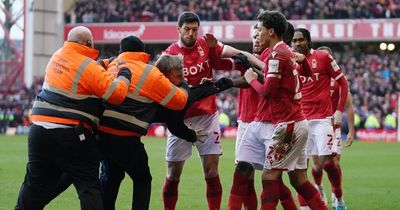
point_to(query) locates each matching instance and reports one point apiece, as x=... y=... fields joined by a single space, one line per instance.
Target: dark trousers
x=120 y=155
x=54 y=152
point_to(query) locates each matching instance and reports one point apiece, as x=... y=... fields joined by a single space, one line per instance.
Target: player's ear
x=271 y=31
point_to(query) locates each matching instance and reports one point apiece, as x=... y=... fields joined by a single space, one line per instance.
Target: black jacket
x=175 y=119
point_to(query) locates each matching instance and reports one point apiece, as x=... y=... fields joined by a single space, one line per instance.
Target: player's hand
x=349 y=140
x=337 y=118
x=299 y=57
x=241 y=60
x=210 y=39
x=250 y=75
x=200 y=135
x=223 y=84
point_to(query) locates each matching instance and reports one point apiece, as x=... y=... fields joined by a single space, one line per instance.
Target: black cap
x=131 y=44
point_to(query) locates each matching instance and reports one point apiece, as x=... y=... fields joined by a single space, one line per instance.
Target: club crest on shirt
x=314 y=63
x=200 y=51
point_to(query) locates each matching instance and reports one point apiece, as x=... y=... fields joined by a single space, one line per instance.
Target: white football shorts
x=242 y=126
x=320 y=137
x=179 y=149
x=253 y=145
x=287 y=150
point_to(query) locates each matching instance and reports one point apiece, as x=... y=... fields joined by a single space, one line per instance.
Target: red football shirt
x=316 y=99
x=334 y=95
x=284 y=102
x=197 y=68
x=249 y=101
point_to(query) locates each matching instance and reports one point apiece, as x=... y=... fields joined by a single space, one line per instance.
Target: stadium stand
x=94 y=11
x=372 y=74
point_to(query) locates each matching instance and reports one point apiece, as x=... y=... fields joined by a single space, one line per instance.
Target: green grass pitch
x=371 y=177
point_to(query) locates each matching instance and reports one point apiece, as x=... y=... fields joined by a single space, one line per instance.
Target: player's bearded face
x=256 y=44
x=188 y=33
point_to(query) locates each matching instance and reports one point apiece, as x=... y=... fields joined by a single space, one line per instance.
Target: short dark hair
x=306 y=35
x=275 y=20
x=188 y=17
x=288 y=35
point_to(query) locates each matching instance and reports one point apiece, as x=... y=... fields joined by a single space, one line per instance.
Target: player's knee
x=244 y=168
x=210 y=172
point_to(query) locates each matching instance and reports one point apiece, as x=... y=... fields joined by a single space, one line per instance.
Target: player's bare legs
x=334 y=173
x=170 y=188
x=214 y=188
x=298 y=179
x=326 y=162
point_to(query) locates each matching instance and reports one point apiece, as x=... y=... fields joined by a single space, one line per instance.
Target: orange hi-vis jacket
x=74 y=87
x=149 y=88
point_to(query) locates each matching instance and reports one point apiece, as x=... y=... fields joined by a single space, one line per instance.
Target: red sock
x=312 y=196
x=250 y=202
x=317 y=176
x=286 y=198
x=302 y=202
x=170 y=194
x=214 y=193
x=335 y=177
x=238 y=192
x=270 y=194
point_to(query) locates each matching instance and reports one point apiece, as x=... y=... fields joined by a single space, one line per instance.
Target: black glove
x=242 y=60
x=184 y=85
x=223 y=84
x=123 y=70
x=105 y=64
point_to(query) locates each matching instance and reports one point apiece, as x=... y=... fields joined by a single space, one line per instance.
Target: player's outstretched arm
x=230 y=51
x=216 y=61
x=350 y=120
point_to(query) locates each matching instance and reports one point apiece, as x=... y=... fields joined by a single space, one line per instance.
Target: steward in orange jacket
x=64 y=113
x=122 y=125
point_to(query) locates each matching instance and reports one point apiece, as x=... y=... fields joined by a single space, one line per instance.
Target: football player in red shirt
x=286 y=150
x=203 y=115
x=337 y=146
x=317 y=106
x=254 y=129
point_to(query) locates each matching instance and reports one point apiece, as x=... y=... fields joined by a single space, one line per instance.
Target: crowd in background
x=15 y=108
x=95 y=11
x=373 y=79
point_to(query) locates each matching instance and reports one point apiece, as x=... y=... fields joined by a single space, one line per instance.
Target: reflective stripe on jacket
x=74 y=86
x=149 y=87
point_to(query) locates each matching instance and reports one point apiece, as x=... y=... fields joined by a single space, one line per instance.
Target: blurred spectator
x=372 y=122
x=88 y=11
x=390 y=121
x=223 y=121
x=15 y=108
